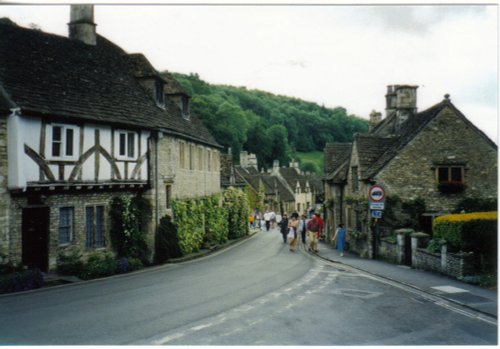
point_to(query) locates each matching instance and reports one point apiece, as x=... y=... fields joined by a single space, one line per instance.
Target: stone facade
x=4 y=194
x=412 y=173
x=436 y=156
x=78 y=201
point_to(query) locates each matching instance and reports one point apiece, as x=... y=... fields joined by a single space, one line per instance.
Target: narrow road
x=254 y=293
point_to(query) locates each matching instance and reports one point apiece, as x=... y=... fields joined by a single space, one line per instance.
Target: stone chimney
x=375 y=118
x=81 y=25
x=276 y=166
x=402 y=100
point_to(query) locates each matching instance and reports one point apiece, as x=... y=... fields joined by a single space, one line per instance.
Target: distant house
x=82 y=121
x=436 y=156
x=286 y=189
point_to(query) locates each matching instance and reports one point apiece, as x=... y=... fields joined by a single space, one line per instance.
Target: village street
x=256 y=292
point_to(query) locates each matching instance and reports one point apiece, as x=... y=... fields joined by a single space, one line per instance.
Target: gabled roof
x=369 y=149
x=411 y=128
x=292 y=176
x=336 y=163
x=272 y=183
x=52 y=76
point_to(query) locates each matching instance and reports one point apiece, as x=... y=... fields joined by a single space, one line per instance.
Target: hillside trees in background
x=271 y=126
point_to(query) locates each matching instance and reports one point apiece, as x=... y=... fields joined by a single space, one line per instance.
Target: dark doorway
x=35 y=235
x=407 y=251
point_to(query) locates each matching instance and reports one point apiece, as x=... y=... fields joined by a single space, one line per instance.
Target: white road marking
x=449 y=289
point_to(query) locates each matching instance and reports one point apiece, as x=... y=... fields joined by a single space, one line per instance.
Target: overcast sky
x=329 y=54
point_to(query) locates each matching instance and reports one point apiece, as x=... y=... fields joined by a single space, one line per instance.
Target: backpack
x=313 y=225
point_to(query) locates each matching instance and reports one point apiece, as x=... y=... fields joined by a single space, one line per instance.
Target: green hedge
x=236 y=204
x=470 y=232
x=210 y=220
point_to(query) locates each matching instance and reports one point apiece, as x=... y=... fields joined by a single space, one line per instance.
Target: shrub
x=167 y=243
x=21 y=281
x=99 y=265
x=216 y=224
x=470 y=232
x=128 y=218
x=125 y=265
x=189 y=225
x=70 y=264
x=476 y=205
x=236 y=205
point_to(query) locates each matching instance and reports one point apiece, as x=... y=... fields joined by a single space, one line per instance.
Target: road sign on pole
x=376 y=193
x=376 y=198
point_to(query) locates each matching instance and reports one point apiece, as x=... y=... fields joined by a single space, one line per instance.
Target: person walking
x=284 y=227
x=267 y=219
x=312 y=233
x=340 y=235
x=321 y=226
x=293 y=226
x=302 y=228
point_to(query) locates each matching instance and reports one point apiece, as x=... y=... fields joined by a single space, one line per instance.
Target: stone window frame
x=450 y=175
x=66 y=225
x=94 y=240
x=451 y=184
x=182 y=154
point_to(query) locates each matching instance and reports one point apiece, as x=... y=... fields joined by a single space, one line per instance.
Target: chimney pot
x=81 y=25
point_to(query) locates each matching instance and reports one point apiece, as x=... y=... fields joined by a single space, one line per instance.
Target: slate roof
x=383 y=143
x=336 y=161
x=52 y=76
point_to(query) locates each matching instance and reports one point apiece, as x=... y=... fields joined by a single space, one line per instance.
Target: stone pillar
x=444 y=250
x=417 y=240
x=400 y=248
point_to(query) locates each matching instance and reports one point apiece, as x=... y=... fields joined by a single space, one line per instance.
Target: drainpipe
x=15 y=151
x=157 y=182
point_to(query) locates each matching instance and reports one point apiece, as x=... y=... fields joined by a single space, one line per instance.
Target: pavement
x=455 y=291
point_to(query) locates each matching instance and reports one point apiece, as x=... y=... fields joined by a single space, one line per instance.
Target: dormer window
x=159 y=94
x=185 y=107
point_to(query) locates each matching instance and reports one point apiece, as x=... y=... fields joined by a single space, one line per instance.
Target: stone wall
x=4 y=194
x=450 y=264
x=388 y=251
x=78 y=201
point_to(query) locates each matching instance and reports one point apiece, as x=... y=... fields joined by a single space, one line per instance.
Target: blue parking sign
x=376 y=214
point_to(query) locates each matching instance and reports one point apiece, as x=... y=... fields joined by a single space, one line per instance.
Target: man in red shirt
x=313 y=231
x=321 y=225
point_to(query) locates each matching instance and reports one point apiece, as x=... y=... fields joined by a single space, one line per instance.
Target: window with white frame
x=63 y=141
x=65 y=225
x=126 y=144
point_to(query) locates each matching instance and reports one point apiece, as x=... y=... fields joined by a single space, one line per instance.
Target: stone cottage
x=436 y=156
x=82 y=121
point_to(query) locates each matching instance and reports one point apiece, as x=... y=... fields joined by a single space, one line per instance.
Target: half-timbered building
x=82 y=121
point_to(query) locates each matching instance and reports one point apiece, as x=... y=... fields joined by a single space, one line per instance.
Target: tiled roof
x=410 y=129
x=370 y=148
x=336 y=160
x=53 y=76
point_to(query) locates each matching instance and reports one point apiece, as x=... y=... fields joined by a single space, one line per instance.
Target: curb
x=213 y=249
x=407 y=285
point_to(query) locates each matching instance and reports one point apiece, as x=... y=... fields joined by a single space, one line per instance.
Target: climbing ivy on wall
x=198 y=221
x=236 y=204
x=216 y=225
x=128 y=217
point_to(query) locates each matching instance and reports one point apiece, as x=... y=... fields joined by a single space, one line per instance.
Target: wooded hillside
x=271 y=126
